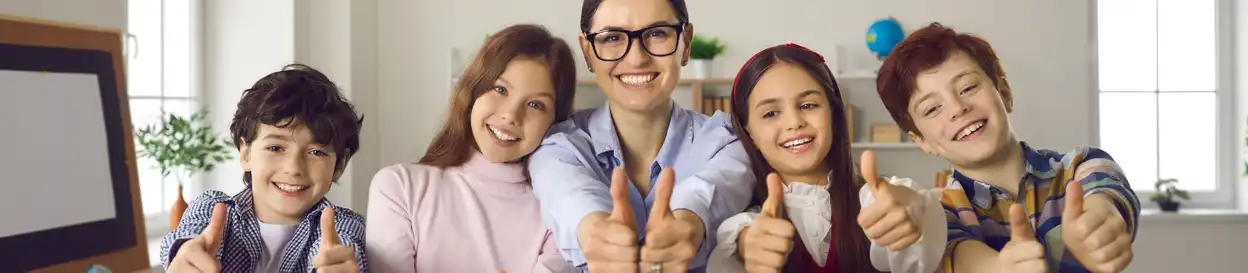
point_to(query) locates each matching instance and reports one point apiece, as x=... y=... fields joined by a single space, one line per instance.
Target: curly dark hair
x=299 y=95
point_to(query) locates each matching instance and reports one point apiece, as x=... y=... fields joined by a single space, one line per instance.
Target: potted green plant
x=181 y=148
x=701 y=52
x=1166 y=194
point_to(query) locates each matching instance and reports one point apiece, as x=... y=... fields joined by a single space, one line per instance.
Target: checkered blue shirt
x=242 y=246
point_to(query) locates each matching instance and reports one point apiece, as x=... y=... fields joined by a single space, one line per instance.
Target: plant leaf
x=1182 y=194
x=181 y=143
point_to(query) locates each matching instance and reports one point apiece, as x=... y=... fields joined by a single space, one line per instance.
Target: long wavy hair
x=843 y=182
x=454 y=144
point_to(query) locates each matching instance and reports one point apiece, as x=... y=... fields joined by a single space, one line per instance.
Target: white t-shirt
x=275 y=238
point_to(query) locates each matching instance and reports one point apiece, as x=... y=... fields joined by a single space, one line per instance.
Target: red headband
x=747 y=63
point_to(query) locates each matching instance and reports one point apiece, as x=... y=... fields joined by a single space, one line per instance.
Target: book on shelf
x=712 y=104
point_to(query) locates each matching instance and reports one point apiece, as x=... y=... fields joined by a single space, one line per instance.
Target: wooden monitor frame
x=108 y=242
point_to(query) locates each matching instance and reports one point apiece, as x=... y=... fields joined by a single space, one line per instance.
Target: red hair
x=925 y=49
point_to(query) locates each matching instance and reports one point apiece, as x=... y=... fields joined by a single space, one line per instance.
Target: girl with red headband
x=816 y=214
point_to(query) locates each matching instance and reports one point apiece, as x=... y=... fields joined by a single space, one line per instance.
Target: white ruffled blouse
x=807 y=207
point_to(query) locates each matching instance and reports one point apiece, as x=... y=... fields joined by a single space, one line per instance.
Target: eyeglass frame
x=635 y=35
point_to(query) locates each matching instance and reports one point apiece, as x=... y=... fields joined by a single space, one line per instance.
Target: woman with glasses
x=641 y=183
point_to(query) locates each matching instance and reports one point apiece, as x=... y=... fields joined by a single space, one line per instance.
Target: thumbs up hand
x=609 y=241
x=200 y=254
x=765 y=244
x=1096 y=234
x=887 y=221
x=672 y=238
x=333 y=256
x=1023 y=253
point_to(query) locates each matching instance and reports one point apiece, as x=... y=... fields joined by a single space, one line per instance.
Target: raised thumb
x=663 y=195
x=215 y=232
x=775 y=197
x=621 y=211
x=869 y=173
x=1074 y=202
x=1020 y=228
x=329 y=237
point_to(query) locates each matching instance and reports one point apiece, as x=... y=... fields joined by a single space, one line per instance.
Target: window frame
x=1226 y=168
x=157 y=224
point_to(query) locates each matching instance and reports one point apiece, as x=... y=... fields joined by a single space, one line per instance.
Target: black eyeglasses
x=658 y=41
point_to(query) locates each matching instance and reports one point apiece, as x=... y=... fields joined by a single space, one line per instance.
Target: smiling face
x=290 y=172
x=790 y=120
x=509 y=121
x=958 y=112
x=637 y=82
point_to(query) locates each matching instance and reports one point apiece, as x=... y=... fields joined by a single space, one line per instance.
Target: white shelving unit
x=856 y=75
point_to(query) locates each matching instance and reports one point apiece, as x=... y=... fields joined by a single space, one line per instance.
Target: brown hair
x=843 y=184
x=454 y=143
x=589 y=7
x=923 y=50
x=299 y=95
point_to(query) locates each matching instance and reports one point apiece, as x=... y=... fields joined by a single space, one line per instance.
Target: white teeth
x=290 y=188
x=969 y=129
x=796 y=142
x=501 y=135
x=637 y=79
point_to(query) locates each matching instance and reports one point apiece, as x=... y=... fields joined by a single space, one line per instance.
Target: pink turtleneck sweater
x=479 y=217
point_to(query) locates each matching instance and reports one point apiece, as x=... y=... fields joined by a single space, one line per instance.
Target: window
x=1160 y=114
x=159 y=73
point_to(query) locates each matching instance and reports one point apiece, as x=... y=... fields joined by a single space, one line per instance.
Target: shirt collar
x=984 y=195
x=1038 y=164
x=607 y=142
x=602 y=131
x=480 y=167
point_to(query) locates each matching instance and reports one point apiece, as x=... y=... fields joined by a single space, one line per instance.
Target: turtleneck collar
x=505 y=178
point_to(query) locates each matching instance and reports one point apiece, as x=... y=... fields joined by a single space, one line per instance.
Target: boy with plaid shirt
x=295 y=134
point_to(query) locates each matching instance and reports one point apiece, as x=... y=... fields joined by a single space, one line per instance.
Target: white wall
x=1187 y=243
x=99 y=13
x=1044 y=45
x=1240 y=76
x=364 y=56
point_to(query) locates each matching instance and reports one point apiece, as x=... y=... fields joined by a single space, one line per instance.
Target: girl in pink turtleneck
x=467 y=206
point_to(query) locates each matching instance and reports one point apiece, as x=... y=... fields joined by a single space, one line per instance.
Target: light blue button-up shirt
x=571 y=174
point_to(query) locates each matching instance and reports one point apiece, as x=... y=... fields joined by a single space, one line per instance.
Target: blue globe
x=95 y=268
x=883 y=35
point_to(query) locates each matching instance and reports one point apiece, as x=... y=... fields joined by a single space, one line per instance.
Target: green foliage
x=1166 y=191
x=705 y=49
x=186 y=145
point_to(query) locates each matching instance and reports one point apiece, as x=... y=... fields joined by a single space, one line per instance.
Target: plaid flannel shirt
x=242 y=246
x=978 y=211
